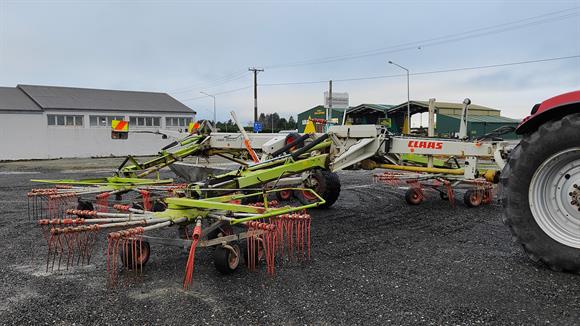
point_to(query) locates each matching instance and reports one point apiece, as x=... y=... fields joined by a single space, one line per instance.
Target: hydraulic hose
x=290 y=145
x=306 y=148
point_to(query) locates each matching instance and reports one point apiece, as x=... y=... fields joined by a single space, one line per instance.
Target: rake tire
x=327 y=186
x=85 y=205
x=225 y=261
x=284 y=195
x=413 y=197
x=472 y=198
x=143 y=254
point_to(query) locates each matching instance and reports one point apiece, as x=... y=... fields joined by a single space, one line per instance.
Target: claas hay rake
x=236 y=213
x=246 y=214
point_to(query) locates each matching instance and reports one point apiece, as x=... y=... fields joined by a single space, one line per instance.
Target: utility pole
x=255 y=71
x=329 y=112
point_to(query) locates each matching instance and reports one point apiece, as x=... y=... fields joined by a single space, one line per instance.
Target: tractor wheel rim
x=553 y=197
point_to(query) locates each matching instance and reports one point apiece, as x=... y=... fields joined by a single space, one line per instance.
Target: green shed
x=477 y=125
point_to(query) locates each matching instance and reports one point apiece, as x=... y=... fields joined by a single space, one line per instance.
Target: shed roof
x=423 y=106
x=484 y=118
x=321 y=107
x=365 y=106
x=450 y=105
x=13 y=99
x=72 y=98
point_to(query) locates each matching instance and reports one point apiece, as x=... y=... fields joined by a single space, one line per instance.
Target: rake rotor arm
x=189 y=146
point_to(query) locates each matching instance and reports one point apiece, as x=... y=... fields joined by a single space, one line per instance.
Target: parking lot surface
x=375 y=260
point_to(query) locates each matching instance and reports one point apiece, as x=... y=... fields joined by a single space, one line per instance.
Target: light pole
x=214 y=112
x=408 y=96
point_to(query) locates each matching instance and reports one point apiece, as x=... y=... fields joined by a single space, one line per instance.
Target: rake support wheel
x=284 y=195
x=413 y=196
x=473 y=198
x=227 y=258
x=325 y=183
x=141 y=256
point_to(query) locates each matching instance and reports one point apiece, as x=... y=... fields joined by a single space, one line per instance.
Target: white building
x=42 y=122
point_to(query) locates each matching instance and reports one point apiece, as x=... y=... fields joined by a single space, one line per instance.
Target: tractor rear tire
x=326 y=185
x=535 y=174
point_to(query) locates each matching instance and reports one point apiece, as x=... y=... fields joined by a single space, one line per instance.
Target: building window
x=177 y=122
x=65 y=120
x=103 y=120
x=145 y=121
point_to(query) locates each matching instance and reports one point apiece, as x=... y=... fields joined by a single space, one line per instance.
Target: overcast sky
x=184 y=47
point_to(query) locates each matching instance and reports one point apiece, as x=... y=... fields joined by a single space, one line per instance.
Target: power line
x=211 y=83
x=431 y=72
x=424 y=72
x=518 y=24
x=478 y=32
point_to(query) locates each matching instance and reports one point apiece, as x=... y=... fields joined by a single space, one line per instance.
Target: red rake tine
x=61 y=251
x=134 y=252
x=67 y=240
x=79 y=240
x=141 y=248
x=50 y=244
x=309 y=222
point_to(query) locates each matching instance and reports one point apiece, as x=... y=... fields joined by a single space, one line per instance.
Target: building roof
x=449 y=105
x=366 y=106
x=13 y=99
x=321 y=107
x=423 y=106
x=72 y=98
x=484 y=118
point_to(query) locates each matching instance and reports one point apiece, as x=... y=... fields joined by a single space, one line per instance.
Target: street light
x=408 y=97
x=214 y=112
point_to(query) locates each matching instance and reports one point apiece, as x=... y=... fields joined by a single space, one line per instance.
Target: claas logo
x=424 y=144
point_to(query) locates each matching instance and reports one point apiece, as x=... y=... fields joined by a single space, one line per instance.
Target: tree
x=292 y=123
x=271 y=122
x=262 y=118
x=282 y=124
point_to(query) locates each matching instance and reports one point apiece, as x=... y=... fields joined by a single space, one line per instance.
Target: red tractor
x=541 y=184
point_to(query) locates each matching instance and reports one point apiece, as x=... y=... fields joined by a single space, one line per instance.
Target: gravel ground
x=375 y=261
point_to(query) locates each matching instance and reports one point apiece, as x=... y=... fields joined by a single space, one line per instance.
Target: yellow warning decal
x=309 y=129
x=120 y=125
x=193 y=126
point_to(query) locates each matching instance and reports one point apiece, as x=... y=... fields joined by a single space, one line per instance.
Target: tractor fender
x=552 y=108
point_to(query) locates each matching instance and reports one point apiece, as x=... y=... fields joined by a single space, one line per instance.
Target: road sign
x=257 y=126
